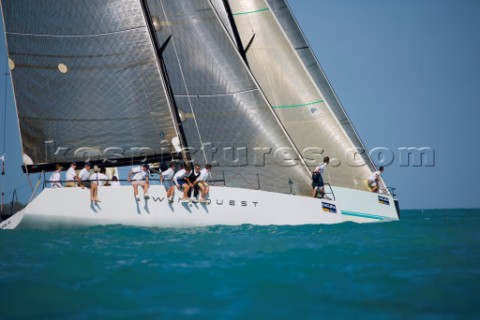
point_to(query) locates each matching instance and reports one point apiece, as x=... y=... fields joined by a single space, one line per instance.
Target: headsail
x=298 y=90
x=220 y=102
x=86 y=79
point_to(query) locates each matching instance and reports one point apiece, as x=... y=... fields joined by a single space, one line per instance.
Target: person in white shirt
x=96 y=179
x=374 y=180
x=317 y=179
x=139 y=177
x=84 y=175
x=55 y=177
x=103 y=180
x=166 y=178
x=71 y=176
x=202 y=182
x=115 y=182
x=180 y=179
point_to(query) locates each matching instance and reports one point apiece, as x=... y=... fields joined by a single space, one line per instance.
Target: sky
x=408 y=75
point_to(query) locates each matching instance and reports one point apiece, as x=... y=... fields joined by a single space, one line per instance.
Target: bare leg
x=185 y=191
x=204 y=190
x=135 y=189
x=170 y=192
x=145 y=189
x=96 y=194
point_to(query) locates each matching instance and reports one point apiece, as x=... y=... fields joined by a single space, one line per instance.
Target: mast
x=165 y=79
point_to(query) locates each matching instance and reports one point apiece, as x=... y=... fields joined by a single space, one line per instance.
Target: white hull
x=228 y=206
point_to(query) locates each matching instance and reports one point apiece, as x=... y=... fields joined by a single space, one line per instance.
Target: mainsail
x=298 y=90
x=87 y=82
x=98 y=79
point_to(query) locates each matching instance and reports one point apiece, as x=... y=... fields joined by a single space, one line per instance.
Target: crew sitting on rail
x=166 y=178
x=140 y=176
x=84 y=175
x=202 y=184
x=71 y=176
x=181 y=182
x=55 y=177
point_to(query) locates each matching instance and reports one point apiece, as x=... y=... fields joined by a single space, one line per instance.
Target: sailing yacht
x=230 y=83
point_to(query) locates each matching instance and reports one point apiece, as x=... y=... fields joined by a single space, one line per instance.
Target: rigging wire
x=30 y=182
x=2 y=155
x=5 y=110
x=36 y=188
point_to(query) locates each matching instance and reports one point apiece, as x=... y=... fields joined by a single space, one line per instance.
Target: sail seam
x=71 y=35
x=81 y=120
x=249 y=12
x=298 y=105
x=214 y=95
x=105 y=67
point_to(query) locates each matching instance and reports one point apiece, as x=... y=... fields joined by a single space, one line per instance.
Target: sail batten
x=299 y=105
x=73 y=35
x=250 y=12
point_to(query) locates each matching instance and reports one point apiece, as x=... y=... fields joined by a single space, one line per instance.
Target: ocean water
x=425 y=266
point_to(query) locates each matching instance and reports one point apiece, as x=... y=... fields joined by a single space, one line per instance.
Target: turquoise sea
x=425 y=266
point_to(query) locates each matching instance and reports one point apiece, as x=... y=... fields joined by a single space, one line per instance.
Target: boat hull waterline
x=226 y=206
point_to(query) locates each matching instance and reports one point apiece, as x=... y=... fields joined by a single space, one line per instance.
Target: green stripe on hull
x=364 y=215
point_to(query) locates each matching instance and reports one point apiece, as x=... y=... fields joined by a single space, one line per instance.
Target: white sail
x=297 y=89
